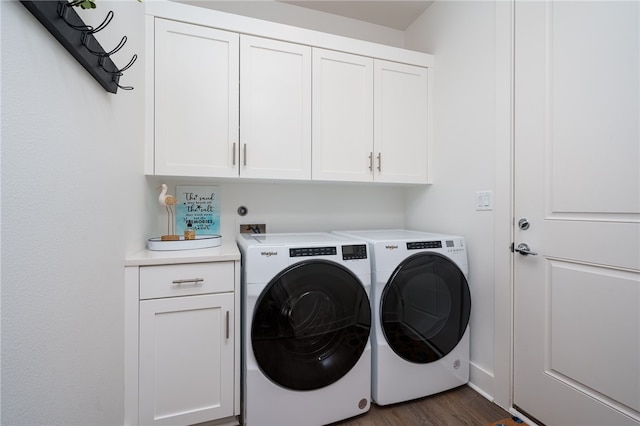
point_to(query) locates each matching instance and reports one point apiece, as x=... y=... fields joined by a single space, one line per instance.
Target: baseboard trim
x=481 y=381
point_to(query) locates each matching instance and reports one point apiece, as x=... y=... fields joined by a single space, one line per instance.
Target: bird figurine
x=168 y=201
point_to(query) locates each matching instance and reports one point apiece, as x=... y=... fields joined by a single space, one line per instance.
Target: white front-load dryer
x=306 y=356
x=420 y=306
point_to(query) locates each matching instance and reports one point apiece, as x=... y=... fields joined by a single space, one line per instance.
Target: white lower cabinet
x=186 y=351
x=182 y=351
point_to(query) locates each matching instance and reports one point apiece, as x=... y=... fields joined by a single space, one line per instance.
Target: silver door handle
x=524 y=250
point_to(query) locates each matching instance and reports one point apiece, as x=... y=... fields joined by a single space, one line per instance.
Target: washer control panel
x=355 y=251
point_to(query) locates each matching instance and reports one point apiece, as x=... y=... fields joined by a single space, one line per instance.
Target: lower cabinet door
x=186 y=359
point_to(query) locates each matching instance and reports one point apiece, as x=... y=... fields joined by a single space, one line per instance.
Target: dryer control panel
x=421 y=245
x=349 y=252
x=312 y=251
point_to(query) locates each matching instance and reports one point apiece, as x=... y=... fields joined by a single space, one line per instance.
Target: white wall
x=75 y=203
x=71 y=183
x=296 y=207
x=468 y=152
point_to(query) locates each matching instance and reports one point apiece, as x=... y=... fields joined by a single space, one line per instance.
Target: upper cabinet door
x=342 y=116
x=196 y=100
x=275 y=109
x=401 y=123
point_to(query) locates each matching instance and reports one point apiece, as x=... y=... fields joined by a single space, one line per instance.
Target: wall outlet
x=253 y=228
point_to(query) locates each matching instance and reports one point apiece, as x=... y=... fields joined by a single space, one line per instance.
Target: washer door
x=425 y=307
x=310 y=325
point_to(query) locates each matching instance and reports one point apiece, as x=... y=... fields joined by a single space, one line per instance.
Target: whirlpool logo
x=268 y=253
x=391 y=247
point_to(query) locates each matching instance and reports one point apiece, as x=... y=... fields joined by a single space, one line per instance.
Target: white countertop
x=227 y=251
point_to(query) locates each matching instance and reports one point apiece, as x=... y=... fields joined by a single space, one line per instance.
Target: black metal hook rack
x=78 y=38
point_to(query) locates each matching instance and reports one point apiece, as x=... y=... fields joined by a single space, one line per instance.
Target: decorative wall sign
x=198 y=206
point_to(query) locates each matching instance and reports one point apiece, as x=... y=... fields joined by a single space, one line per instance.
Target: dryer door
x=425 y=307
x=310 y=325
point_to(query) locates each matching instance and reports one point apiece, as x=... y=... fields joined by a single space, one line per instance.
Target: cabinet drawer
x=187 y=279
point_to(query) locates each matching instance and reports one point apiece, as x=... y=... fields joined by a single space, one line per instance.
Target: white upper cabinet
x=234 y=97
x=275 y=109
x=401 y=125
x=370 y=119
x=196 y=100
x=342 y=116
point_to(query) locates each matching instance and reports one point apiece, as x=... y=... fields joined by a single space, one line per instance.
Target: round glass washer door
x=425 y=307
x=310 y=325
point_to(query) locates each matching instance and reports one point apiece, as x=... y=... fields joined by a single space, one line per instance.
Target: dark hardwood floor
x=461 y=406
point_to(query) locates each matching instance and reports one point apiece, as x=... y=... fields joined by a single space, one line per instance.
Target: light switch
x=484 y=200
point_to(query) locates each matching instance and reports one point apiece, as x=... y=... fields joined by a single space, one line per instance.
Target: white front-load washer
x=306 y=356
x=420 y=306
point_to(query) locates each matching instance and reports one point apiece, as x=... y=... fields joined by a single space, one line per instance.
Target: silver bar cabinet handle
x=227 y=324
x=188 y=281
x=244 y=154
x=379 y=161
x=234 y=154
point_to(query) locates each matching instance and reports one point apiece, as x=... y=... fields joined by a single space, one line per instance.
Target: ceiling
x=397 y=14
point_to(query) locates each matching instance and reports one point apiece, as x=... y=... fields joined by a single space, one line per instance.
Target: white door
x=342 y=147
x=577 y=182
x=196 y=100
x=275 y=109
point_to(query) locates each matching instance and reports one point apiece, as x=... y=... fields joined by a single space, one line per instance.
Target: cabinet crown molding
x=257 y=27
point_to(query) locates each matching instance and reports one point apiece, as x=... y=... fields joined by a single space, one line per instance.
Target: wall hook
x=78 y=38
x=86 y=41
x=104 y=23
x=118 y=73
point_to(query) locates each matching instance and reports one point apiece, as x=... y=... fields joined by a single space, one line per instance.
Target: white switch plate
x=484 y=200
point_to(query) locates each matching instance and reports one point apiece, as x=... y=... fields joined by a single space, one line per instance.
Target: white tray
x=201 y=241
